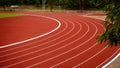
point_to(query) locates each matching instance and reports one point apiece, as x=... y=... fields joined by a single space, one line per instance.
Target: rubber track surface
x=73 y=45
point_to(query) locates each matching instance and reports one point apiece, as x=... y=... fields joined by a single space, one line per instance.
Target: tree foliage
x=4 y=3
x=77 y=4
x=52 y=3
x=20 y=2
x=112 y=23
x=66 y=4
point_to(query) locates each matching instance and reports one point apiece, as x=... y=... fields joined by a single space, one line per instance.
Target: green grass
x=9 y=15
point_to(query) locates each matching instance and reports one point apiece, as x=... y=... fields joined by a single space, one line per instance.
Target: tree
x=52 y=3
x=37 y=3
x=15 y=2
x=112 y=23
x=77 y=4
x=72 y=4
x=4 y=3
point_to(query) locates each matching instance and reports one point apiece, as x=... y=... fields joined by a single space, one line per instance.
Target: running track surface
x=73 y=45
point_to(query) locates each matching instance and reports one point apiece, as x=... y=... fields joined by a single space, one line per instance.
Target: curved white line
x=111 y=61
x=59 y=25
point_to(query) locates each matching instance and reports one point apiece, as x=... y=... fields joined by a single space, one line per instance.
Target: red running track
x=73 y=45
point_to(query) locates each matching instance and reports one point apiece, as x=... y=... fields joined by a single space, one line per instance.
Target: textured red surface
x=72 y=45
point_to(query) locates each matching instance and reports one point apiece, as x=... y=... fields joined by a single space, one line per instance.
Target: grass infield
x=9 y=15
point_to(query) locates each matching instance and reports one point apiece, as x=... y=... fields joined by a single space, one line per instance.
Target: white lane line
x=77 y=47
x=41 y=44
x=59 y=25
x=108 y=59
x=39 y=49
x=111 y=61
x=47 y=52
x=35 y=41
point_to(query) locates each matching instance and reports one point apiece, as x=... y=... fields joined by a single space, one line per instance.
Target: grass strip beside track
x=4 y=15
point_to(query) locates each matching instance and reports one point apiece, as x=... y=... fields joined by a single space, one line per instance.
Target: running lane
x=73 y=45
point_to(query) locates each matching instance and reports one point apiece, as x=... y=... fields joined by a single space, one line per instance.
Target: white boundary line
x=59 y=25
x=111 y=61
x=107 y=60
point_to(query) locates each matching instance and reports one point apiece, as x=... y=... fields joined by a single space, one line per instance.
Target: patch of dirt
x=96 y=17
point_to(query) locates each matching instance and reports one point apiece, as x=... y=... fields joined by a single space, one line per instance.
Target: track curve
x=73 y=45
